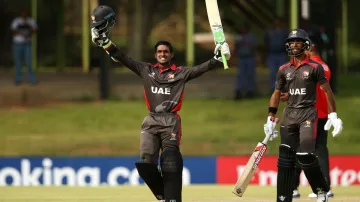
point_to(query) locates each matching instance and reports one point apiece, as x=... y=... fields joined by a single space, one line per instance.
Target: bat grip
x=266 y=139
x=224 y=61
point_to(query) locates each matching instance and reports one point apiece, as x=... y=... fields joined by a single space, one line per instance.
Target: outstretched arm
x=115 y=53
x=196 y=71
x=118 y=56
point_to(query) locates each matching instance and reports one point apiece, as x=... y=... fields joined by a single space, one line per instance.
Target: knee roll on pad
x=286 y=173
x=151 y=175
x=310 y=164
x=171 y=160
x=148 y=158
x=171 y=163
x=286 y=156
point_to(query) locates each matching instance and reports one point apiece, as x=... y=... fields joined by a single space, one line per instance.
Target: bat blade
x=250 y=169
x=216 y=26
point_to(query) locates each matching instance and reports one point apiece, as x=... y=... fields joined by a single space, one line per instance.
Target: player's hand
x=284 y=97
x=100 y=39
x=224 y=49
x=269 y=126
x=334 y=121
x=274 y=135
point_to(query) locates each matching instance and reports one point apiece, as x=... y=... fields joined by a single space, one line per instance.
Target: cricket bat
x=251 y=166
x=216 y=26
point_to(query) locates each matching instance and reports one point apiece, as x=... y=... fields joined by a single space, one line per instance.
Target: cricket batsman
x=322 y=107
x=164 y=84
x=299 y=121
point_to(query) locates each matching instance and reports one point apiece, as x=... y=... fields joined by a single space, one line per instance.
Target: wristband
x=272 y=110
x=107 y=46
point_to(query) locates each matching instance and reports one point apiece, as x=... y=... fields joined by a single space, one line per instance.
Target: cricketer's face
x=296 y=46
x=163 y=54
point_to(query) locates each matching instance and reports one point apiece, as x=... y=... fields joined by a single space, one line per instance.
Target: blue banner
x=93 y=171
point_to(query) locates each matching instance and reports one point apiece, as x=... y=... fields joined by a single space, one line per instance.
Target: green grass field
x=215 y=127
x=193 y=193
x=210 y=127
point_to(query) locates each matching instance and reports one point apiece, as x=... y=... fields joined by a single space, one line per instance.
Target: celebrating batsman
x=164 y=84
x=299 y=121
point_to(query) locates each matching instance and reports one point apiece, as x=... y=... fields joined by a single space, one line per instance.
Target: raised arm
x=115 y=53
x=118 y=56
x=198 y=70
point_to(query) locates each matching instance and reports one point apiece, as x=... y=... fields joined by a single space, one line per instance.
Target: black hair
x=317 y=41
x=166 y=43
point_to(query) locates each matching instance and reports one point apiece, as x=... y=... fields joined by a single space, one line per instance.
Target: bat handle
x=224 y=61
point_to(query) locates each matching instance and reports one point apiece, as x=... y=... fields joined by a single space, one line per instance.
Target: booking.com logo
x=47 y=175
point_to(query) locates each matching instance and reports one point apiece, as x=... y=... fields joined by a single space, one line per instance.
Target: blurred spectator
x=245 y=45
x=275 y=50
x=22 y=28
x=310 y=28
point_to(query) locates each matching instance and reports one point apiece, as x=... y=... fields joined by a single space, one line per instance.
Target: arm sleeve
x=196 y=71
x=320 y=75
x=118 y=56
x=280 y=83
x=327 y=73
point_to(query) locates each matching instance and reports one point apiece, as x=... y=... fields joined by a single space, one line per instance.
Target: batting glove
x=100 y=39
x=334 y=121
x=269 y=127
x=224 y=49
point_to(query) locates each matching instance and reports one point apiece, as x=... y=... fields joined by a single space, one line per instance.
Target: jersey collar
x=172 y=67
x=305 y=61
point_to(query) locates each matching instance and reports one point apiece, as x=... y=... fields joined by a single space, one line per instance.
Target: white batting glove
x=274 y=135
x=269 y=127
x=99 y=39
x=334 y=121
x=222 y=48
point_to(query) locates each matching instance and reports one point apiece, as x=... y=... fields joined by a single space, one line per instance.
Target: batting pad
x=310 y=164
x=149 y=172
x=171 y=168
x=286 y=173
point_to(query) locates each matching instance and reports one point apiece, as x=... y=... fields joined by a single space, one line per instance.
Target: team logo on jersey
x=152 y=75
x=288 y=78
x=308 y=124
x=305 y=74
x=170 y=77
x=173 y=136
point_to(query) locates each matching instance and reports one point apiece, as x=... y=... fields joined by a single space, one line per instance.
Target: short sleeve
x=320 y=75
x=280 y=80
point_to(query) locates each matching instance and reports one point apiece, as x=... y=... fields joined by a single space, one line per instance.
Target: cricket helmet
x=103 y=18
x=294 y=35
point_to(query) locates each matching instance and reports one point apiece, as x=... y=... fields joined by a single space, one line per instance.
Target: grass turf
x=210 y=127
x=193 y=193
x=215 y=127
